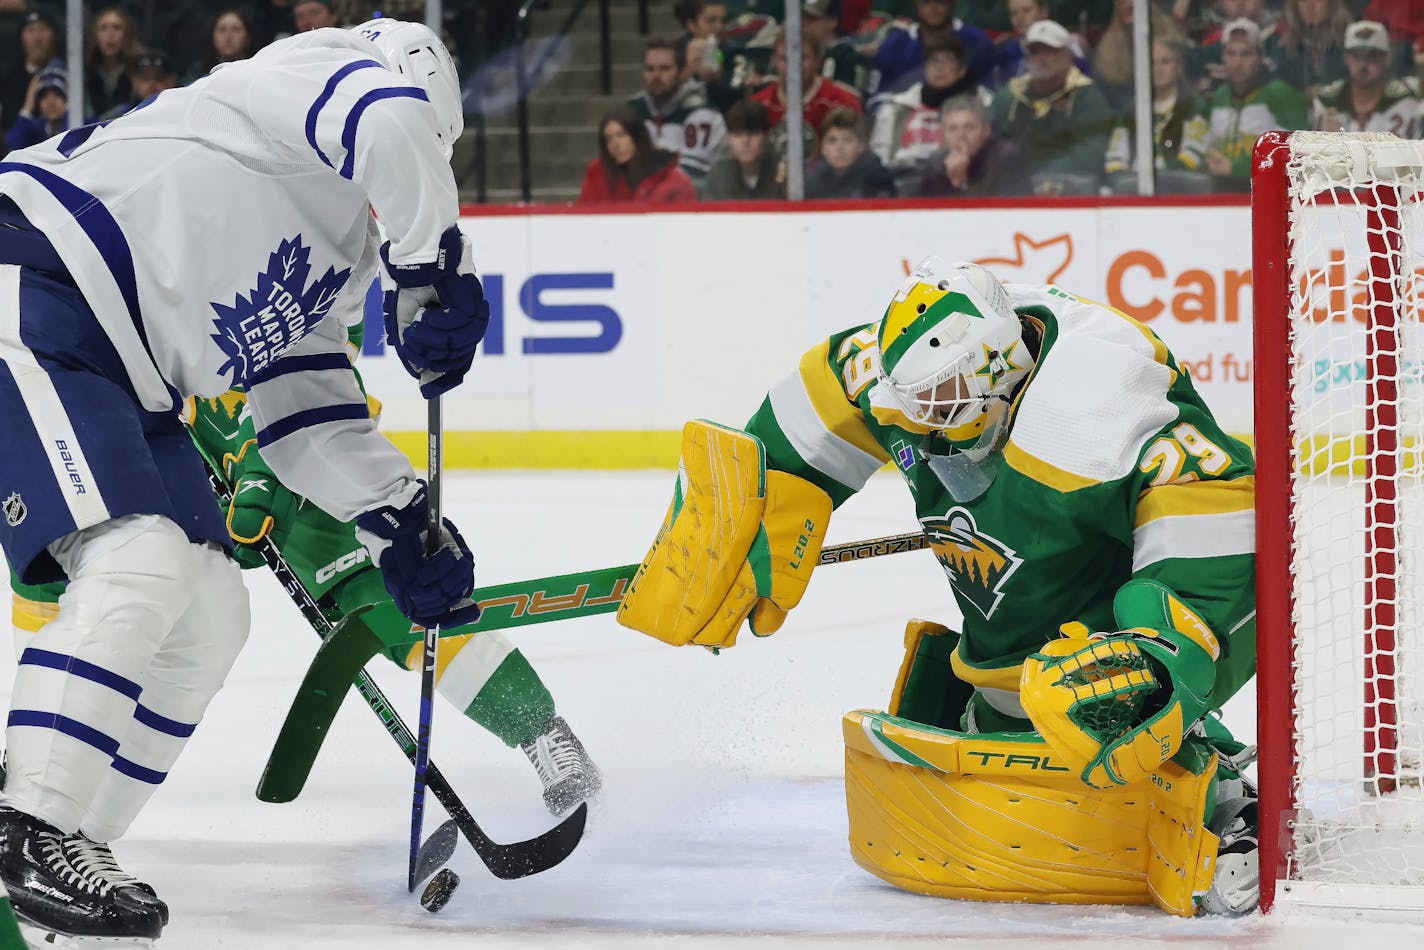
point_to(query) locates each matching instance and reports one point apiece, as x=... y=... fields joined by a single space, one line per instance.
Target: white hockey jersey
x=223 y=236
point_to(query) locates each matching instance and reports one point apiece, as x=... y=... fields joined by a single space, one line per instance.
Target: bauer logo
x=978 y=565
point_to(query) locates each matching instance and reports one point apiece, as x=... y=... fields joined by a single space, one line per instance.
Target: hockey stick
x=562 y=597
x=505 y=861
x=426 y=723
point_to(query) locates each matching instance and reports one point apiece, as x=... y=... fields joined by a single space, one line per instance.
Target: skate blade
x=42 y=938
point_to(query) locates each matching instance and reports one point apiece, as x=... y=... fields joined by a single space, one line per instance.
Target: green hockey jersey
x=1113 y=468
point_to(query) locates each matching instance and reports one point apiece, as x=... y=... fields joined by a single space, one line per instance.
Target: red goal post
x=1338 y=237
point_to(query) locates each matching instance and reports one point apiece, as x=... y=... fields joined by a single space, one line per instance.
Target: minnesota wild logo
x=977 y=564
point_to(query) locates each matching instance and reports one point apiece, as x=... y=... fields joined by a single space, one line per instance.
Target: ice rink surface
x=722 y=823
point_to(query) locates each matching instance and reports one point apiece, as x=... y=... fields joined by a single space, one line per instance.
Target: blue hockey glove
x=435 y=314
x=430 y=589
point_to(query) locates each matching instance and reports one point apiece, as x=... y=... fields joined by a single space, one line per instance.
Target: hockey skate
x=1235 y=889
x=67 y=891
x=568 y=774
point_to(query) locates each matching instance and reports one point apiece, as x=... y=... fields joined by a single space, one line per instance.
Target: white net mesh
x=1357 y=423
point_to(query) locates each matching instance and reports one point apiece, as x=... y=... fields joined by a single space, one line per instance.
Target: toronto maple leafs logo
x=280 y=310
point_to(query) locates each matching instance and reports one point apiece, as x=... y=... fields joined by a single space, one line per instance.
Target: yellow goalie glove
x=1116 y=705
x=739 y=542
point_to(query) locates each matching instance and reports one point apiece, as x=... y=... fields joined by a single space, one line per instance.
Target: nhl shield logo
x=15 y=509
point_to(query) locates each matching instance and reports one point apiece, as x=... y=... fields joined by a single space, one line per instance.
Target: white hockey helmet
x=414 y=51
x=952 y=351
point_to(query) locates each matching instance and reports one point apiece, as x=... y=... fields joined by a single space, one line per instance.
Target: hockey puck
x=439 y=891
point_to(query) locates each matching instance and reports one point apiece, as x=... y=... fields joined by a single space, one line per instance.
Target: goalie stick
x=505 y=861
x=521 y=603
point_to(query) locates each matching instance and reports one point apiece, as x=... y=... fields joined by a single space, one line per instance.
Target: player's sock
x=568 y=774
x=63 y=886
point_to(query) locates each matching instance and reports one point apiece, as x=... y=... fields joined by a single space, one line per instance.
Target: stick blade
x=436 y=850
x=521 y=859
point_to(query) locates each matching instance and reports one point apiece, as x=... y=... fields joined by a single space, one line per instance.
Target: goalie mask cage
x=1338 y=231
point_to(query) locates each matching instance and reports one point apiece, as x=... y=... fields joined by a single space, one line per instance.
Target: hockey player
x=1096 y=526
x=220 y=236
x=484 y=676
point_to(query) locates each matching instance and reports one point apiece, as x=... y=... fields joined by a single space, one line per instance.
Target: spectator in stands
x=1056 y=116
x=700 y=50
x=1310 y=50
x=703 y=20
x=678 y=114
x=45 y=112
x=151 y=75
x=231 y=41
x=1175 y=113
x=312 y=15
x=843 y=62
x=272 y=20
x=974 y=162
x=169 y=25
x=820 y=96
x=1404 y=18
x=1010 y=59
x=1246 y=104
x=39 y=44
x=847 y=168
x=906 y=130
x=1212 y=73
x=1113 y=69
x=109 y=51
x=1371 y=100
x=629 y=168
x=898 y=59
x=747 y=170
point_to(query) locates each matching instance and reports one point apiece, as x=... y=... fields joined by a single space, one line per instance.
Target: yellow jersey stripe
x=818 y=446
x=1196 y=498
x=1045 y=473
x=1005 y=678
x=838 y=414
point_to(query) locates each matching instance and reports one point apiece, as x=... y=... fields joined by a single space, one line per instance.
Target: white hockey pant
x=108 y=693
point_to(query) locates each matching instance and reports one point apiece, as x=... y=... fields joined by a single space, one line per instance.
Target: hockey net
x=1338 y=227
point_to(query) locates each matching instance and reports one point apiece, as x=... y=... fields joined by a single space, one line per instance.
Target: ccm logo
x=71 y=468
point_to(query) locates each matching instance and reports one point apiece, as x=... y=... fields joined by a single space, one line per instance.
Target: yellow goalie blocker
x=738 y=544
x=1002 y=817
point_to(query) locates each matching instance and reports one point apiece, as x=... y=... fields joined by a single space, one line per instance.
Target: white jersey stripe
x=72 y=474
x=816 y=444
x=1194 y=536
x=472 y=668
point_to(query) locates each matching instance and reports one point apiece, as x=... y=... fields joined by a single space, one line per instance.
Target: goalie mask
x=414 y=51
x=951 y=354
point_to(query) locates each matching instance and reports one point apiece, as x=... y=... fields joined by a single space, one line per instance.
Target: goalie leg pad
x=926 y=689
x=738 y=542
x=1003 y=818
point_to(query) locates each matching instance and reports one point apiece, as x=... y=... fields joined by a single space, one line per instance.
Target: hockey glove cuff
x=429 y=589
x=435 y=314
x=1116 y=705
x=261 y=506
